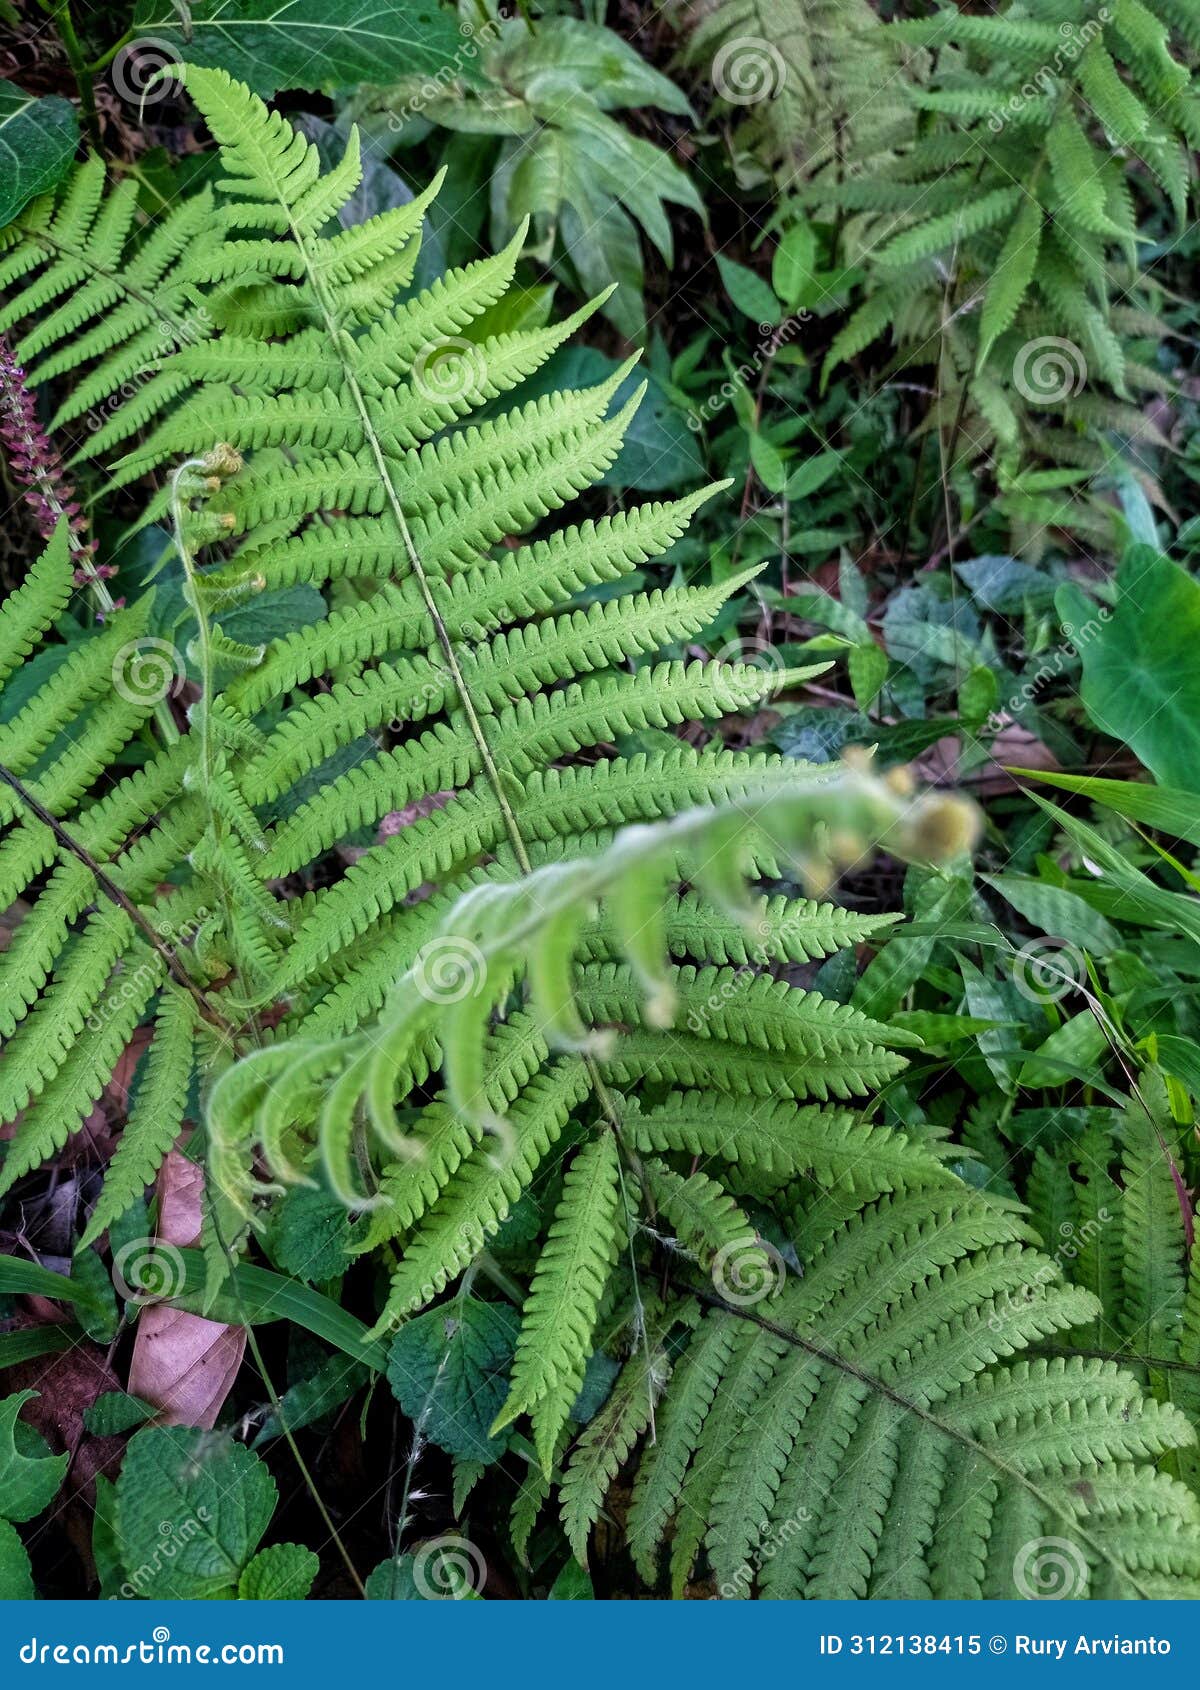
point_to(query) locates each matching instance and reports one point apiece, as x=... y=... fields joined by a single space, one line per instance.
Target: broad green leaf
x=977 y=695
x=752 y=296
x=392 y=1581
x=311 y=1235
x=1137 y=510
x=1178 y=1056
x=809 y=477
x=105 y=1554
x=284 y=1572
x=1141 y=680
x=444 y=1569
x=29 y=1342
x=31 y=1279
x=16 y=1575
x=98 y=1313
x=1006 y=585
x=566 y=53
x=768 y=464
x=1056 y=911
x=867 y=666
x=28 y=1483
x=903 y=960
x=794 y=266
x=215 y=1498
x=828 y=612
x=38 y=138
x=1072 y=1051
x=573 y=1584
x=114 y=1412
x=449 y=1371
x=985 y=1001
x=1125 y=893
x=319 y=45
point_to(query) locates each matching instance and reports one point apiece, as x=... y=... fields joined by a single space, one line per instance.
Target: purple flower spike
x=36 y=465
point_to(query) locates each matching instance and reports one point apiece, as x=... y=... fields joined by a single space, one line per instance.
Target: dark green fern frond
x=999 y=236
x=1119 y=1216
x=813 y=80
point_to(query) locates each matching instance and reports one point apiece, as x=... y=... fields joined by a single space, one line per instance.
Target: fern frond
x=480 y=1194
x=564 y=1298
x=780 y=1142
x=703 y=1218
x=950 y=228
x=28 y=612
x=607 y=1441
x=878 y=1381
x=156 y=1118
x=129 y=303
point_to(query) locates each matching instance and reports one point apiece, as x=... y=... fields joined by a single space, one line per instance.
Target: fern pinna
x=589 y=1029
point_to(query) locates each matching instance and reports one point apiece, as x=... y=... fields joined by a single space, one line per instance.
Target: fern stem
x=106 y=58
x=203 y=629
x=80 y=69
x=1121 y=1358
x=495 y=780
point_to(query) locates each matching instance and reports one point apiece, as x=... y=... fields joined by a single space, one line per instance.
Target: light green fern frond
x=93 y=295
